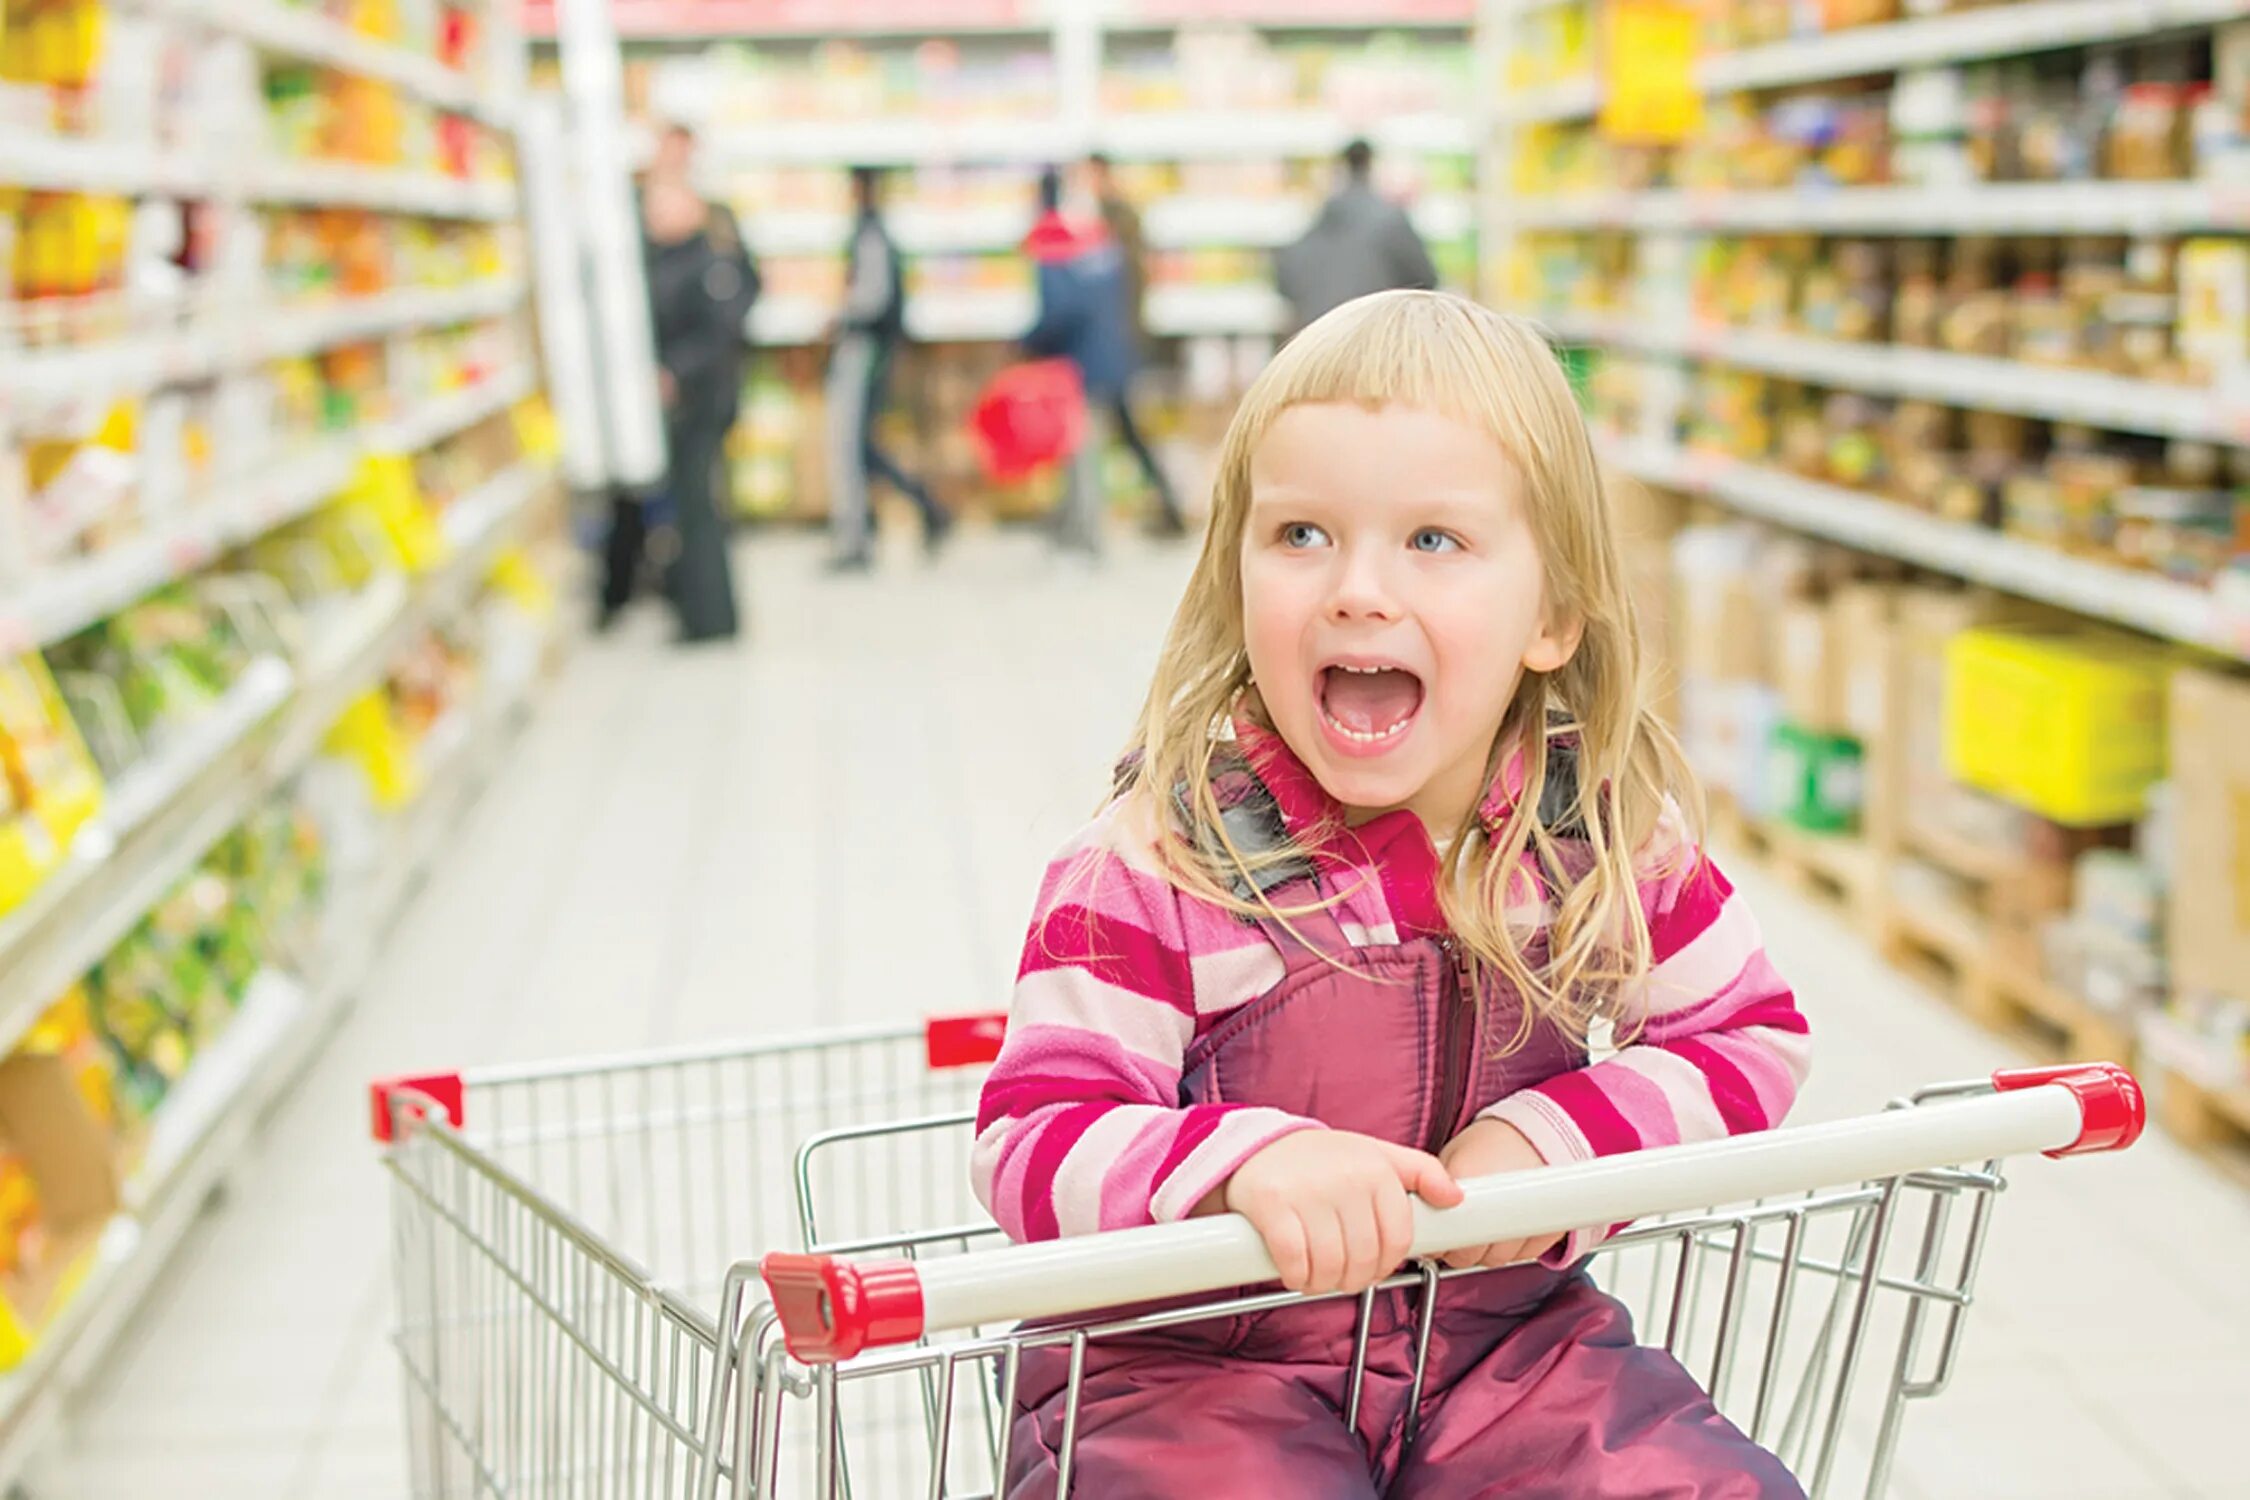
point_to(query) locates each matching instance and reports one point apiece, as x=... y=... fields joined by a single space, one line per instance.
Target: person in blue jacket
x=1082 y=283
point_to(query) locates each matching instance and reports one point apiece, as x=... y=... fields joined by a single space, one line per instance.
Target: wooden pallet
x=2214 y=1122
x=1838 y=871
x=2207 y=1114
x=1949 y=952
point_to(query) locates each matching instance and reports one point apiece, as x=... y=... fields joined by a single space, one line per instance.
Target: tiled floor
x=842 y=822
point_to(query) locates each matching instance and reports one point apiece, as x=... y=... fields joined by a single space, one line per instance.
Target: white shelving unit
x=2143 y=601
x=291 y=31
x=2053 y=394
x=206 y=1129
x=1077 y=126
x=1968 y=36
x=2020 y=208
x=219 y=341
x=64 y=599
x=2206 y=617
x=161 y=818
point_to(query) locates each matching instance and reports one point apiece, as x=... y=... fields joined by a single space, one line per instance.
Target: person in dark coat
x=1361 y=243
x=1080 y=281
x=1123 y=221
x=868 y=334
x=702 y=284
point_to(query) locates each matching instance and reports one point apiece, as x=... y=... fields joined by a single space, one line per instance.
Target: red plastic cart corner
x=830 y=1309
x=2112 y=1110
x=442 y=1089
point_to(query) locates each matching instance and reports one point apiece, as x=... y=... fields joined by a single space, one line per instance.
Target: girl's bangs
x=1418 y=349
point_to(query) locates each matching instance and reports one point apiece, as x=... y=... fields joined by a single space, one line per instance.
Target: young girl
x=1395 y=890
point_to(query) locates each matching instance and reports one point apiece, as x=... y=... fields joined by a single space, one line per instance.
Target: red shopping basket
x=1031 y=417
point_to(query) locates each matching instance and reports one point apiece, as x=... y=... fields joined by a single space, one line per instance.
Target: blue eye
x=1430 y=539
x=1302 y=534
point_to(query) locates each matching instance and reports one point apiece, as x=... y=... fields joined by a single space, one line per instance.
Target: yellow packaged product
x=2067 y=722
x=368 y=734
x=41 y=751
x=386 y=492
x=58 y=1191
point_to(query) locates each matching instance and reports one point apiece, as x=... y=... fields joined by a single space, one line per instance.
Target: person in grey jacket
x=868 y=332
x=1359 y=244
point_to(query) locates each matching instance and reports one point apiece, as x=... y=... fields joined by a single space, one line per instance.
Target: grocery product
x=2208 y=932
x=2068 y=723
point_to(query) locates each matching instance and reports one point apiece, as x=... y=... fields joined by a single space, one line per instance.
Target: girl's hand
x=1332 y=1206
x=1486 y=1149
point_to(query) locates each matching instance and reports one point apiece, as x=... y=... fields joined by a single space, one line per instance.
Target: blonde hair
x=1495 y=373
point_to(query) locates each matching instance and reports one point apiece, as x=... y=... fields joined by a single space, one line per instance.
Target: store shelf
x=41 y=382
x=64 y=599
x=443 y=416
x=2027 y=208
x=206 y=1127
x=1035 y=140
x=917 y=231
x=933 y=317
x=801 y=20
x=295 y=31
x=69 y=164
x=786 y=322
x=387 y=190
x=969 y=317
x=1282 y=133
x=1859 y=51
x=2142 y=601
x=1193 y=311
x=131 y=802
x=2087 y=397
x=1267 y=223
x=1148 y=16
x=73 y=164
x=209 y=788
x=217 y=1079
x=386 y=313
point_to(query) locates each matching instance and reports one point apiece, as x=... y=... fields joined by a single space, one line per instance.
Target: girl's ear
x=1555 y=644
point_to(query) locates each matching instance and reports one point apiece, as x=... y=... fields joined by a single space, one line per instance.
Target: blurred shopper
x=868 y=333
x=1123 y=221
x=1080 y=274
x=702 y=283
x=1360 y=243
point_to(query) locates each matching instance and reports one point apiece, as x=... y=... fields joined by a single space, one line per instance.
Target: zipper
x=1456 y=1033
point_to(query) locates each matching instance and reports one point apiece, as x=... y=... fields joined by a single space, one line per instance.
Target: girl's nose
x=1363 y=589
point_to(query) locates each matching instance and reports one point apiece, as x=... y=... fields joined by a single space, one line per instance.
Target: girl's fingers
x=1324 y=1242
x=1424 y=1176
x=1285 y=1242
x=1394 y=1223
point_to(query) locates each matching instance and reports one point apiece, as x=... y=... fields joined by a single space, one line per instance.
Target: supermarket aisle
x=921 y=740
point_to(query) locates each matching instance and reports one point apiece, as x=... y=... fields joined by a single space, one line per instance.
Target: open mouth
x=1368 y=705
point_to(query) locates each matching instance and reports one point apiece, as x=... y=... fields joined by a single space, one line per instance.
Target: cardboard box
x=1927 y=620
x=1808 y=667
x=2210 y=920
x=1720 y=620
x=1862 y=636
x=71 y=1158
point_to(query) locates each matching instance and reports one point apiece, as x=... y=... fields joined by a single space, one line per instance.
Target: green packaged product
x=1815 y=781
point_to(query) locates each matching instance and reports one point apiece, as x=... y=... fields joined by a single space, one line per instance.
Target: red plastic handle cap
x=442 y=1089
x=2111 y=1108
x=830 y=1309
x=959 y=1041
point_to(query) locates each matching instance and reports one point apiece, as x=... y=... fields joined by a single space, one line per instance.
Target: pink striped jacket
x=1081 y=1126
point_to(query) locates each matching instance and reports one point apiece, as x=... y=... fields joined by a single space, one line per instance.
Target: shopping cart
x=576 y=1315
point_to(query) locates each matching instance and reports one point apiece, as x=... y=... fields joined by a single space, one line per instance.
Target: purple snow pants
x=1534 y=1385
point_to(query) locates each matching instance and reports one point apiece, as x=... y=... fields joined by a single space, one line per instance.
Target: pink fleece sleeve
x=1080 y=1127
x=1721 y=1047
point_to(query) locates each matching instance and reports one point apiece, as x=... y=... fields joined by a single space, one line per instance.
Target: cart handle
x=831 y=1309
